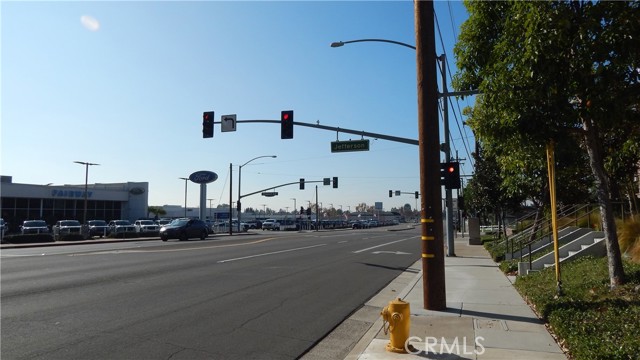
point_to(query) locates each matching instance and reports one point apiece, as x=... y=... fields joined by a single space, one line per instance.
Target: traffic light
x=286 y=124
x=460 y=202
x=207 y=124
x=390 y=193
x=335 y=182
x=450 y=175
x=301 y=183
x=417 y=194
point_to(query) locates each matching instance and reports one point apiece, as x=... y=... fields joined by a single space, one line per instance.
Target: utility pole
x=230 y=197
x=429 y=149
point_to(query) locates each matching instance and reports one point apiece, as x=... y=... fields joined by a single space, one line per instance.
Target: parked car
x=270 y=224
x=183 y=229
x=163 y=221
x=3 y=228
x=146 y=226
x=98 y=228
x=34 y=227
x=360 y=225
x=66 y=227
x=121 y=226
x=224 y=226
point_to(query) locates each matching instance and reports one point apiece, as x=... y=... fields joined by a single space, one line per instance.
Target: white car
x=270 y=224
x=34 y=227
x=121 y=226
x=65 y=227
x=146 y=226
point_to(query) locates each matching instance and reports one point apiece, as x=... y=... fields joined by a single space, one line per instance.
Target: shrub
x=70 y=237
x=593 y=221
x=123 y=235
x=496 y=249
x=629 y=238
x=27 y=238
x=591 y=320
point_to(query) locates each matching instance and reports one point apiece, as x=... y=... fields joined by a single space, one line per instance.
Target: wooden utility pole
x=429 y=147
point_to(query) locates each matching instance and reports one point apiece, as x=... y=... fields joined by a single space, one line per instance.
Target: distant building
x=19 y=202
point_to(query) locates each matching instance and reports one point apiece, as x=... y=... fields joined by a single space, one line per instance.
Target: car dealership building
x=19 y=202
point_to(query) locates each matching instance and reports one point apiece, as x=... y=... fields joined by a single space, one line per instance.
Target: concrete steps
x=565 y=236
x=590 y=243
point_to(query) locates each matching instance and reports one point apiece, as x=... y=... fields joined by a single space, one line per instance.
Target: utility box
x=474 y=231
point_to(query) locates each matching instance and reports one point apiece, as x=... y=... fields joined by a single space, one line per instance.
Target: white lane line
x=269 y=253
x=385 y=244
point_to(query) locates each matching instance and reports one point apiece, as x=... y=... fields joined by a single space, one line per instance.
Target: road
x=267 y=296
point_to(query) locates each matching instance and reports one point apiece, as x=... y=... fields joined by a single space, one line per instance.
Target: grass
x=590 y=320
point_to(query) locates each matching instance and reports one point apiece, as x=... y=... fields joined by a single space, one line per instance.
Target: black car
x=183 y=229
x=98 y=228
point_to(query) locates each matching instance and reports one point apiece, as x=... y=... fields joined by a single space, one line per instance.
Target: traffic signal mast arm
x=337 y=129
x=279 y=186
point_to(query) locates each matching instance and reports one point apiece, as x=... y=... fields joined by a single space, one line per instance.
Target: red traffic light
x=451 y=169
x=286 y=124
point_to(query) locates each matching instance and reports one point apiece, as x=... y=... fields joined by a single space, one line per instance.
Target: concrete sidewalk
x=486 y=318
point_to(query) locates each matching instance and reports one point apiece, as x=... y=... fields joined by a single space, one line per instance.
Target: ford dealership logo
x=136 y=191
x=203 y=177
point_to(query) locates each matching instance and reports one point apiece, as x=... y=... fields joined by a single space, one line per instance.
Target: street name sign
x=351 y=145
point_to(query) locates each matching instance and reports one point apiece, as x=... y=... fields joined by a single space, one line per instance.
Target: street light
x=342 y=43
x=86 y=185
x=185 y=195
x=239 y=183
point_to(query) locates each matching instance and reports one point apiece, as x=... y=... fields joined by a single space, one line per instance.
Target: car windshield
x=122 y=222
x=97 y=223
x=35 y=223
x=70 y=223
x=179 y=222
x=147 y=222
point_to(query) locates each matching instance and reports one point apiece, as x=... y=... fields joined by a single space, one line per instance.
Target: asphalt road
x=266 y=296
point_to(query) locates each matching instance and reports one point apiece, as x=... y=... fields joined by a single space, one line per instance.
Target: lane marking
x=269 y=253
x=128 y=251
x=385 y=244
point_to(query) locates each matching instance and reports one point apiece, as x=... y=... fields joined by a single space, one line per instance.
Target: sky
x=124 y=85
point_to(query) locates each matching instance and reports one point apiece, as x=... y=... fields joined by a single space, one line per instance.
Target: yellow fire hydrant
x=398 y=316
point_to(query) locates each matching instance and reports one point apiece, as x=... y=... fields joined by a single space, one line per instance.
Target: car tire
x=164 y=238
x=203 y=235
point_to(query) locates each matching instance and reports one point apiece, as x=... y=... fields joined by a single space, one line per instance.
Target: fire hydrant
x=398 y=316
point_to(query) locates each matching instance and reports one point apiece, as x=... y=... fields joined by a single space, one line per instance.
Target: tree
x=561 y=71
x=156 y=211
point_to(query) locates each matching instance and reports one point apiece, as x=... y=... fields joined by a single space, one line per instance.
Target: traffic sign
x=228 y=123
x=351 y=145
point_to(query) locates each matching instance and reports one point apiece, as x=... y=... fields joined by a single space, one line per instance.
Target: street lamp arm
x=342 y=43
x=258 y=157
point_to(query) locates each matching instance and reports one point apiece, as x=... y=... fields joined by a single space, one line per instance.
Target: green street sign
x=351 y=145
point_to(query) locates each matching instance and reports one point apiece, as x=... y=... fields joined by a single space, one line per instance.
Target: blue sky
x=126 y=88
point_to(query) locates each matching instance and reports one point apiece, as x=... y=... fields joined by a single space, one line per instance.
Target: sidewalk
x=486 y=318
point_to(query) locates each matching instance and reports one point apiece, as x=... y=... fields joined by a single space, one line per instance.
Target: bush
x=590 y=320
x=70 y=237
x=27 y=238
x=125 y=235
x=629 y=238
x=593 y=221
x=509 y=266
x=496 y=249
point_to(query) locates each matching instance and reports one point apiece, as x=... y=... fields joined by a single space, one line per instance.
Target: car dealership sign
x=203 y=177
